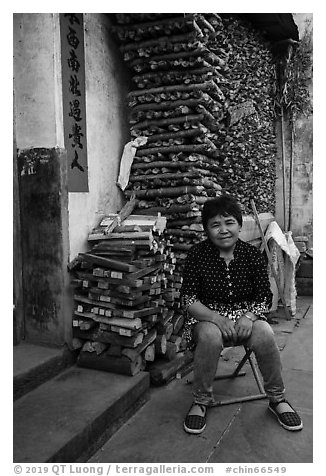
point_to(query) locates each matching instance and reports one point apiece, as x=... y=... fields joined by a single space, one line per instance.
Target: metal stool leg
x=237 y=373
x=256 y=375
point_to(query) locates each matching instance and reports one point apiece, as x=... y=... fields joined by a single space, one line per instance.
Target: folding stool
x=238 y=373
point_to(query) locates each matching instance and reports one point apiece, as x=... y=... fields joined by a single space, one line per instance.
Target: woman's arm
x=262 y=295
x=202 y=313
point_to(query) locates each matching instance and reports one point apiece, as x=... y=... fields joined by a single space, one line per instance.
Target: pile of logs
x=178 y=106
x=126 y=314
x=202 y=97
x=249 y=145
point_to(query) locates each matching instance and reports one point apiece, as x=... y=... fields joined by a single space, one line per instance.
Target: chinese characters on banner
x=74 y=107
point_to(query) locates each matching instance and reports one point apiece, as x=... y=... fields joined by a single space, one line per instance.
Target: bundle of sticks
x=126 y=314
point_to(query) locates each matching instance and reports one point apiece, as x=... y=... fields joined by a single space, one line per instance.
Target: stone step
x=69 y=417
x=34 y=364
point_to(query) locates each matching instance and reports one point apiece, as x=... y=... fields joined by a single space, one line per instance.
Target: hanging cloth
x=285 y=256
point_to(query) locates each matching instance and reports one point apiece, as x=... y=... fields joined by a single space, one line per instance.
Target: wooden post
x=291 y=181
x=283 y=170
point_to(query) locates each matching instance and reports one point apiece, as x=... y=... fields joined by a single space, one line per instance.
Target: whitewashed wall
x=107 y=131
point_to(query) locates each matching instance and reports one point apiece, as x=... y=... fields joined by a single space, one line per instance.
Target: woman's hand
x=227 y=327
x=202 y=313
x=243 y=328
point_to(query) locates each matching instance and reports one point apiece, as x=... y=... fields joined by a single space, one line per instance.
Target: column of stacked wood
x=121 y=318
x=202 y=97
x=178 y=105
x=192 y=72
x=249 y=138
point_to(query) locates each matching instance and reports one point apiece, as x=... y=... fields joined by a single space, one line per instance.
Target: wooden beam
x=124 y=213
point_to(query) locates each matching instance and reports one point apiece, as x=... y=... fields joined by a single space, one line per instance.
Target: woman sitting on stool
x=226 y=294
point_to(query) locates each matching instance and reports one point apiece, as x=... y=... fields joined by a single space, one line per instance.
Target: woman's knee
x=208 y=333
x=262 y=332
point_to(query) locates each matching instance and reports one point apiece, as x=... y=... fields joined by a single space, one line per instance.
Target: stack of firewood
x=125 y=312
x=177 y=69
x=177 y=105
x=204 y=95
x=202 y=98
x=249 y=141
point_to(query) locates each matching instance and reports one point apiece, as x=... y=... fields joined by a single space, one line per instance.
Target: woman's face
x=223 y=231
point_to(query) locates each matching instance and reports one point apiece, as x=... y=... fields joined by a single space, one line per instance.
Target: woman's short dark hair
x=225 y=205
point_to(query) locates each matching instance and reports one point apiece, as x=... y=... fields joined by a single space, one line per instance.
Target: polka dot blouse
x=232 y=289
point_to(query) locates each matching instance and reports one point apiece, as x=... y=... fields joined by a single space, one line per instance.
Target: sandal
x=290 y=420
x=195 y=421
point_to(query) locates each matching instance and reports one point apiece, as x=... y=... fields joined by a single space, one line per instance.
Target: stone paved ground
x=245 y=432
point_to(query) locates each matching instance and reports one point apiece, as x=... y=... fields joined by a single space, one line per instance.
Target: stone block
x=305 y=269
x=304 y=286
